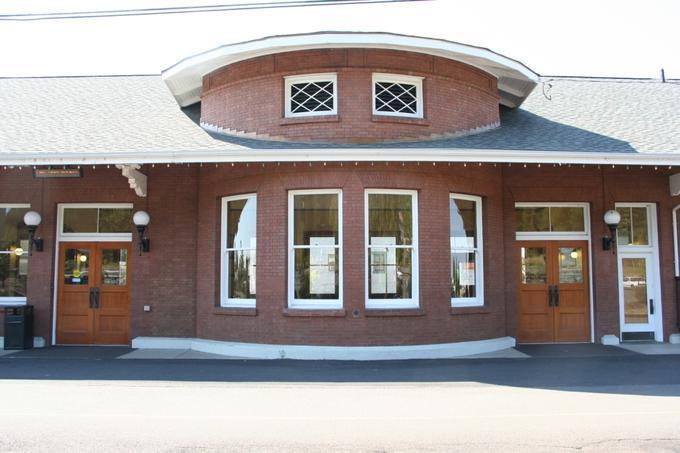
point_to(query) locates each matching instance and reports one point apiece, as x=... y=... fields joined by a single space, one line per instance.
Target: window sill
x=400 y=119
x=235 y=311
x=309 y=119
x=480 y=310
x=12 y=303
x=314 y=313
x=393 y=312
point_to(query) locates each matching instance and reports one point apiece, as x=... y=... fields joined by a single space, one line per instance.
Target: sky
x=582 y=38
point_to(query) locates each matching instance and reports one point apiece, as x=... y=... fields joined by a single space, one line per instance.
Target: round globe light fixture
x=32 y=219
x=612 y=218
x=141 y=218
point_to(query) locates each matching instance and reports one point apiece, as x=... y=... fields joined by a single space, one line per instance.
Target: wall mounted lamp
x=141 y=220
x=612 y=219
x=32 y=219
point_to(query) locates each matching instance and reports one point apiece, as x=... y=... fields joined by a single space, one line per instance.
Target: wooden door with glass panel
x=553 y=297
x=93 y=304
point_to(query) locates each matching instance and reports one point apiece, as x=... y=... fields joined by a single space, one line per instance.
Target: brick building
x=341 y=195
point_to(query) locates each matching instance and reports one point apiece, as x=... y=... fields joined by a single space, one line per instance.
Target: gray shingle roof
x=138 y=113
x=82 y=114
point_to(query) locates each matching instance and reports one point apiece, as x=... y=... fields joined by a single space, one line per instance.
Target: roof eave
x=237 y=155
x=515 y=80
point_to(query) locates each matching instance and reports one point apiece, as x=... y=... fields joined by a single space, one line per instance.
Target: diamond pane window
x=397 y=95
x=311 y=95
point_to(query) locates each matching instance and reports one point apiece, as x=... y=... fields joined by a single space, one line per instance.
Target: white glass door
x=638 y=263
x=639 y=307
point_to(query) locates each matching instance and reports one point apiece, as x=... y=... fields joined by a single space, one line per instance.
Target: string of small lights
x=342 y=164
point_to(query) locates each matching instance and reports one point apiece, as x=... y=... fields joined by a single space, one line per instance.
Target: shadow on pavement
x=586 y=368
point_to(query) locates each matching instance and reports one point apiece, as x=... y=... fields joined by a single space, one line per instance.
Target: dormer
x=349 y=88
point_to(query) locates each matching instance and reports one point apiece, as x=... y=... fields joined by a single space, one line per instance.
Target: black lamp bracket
x=144 y=242
x=33 y=242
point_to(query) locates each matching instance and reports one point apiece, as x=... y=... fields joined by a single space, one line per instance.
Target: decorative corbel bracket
x=136 y=179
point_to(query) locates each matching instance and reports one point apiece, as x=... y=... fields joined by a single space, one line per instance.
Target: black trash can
x=19 y=327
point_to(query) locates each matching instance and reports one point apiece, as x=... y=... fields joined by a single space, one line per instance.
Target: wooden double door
x=554 y=292
x=93 y=305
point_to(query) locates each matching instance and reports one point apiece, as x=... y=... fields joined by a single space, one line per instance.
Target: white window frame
x=478 y=300
x=91 y=237
x=414 y=301
x=312 y=304
x=289 y=81
x=651 y=251
x=12 y=300
x=566 y=236
x=651 y=229
x=80 y=237
x=556 y=235
x=225 y=300
x=397 y=78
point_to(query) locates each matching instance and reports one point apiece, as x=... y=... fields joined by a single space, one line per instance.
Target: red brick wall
x=180 y=277
x=164 y=278
x=249 y=96
x=168 y=273
x=435 y=323
x=601 y=187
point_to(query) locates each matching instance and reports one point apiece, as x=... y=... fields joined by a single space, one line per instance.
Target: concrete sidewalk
x=545 y=366
x=584 y=350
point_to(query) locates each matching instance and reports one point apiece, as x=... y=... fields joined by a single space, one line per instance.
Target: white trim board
x=299 y=352
x=398 y=155
x=515 y=80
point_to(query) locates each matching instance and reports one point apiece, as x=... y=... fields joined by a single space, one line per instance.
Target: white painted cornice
x=515 y=80
x=245 y=155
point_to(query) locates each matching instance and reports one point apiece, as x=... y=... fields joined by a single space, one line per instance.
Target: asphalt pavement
x=547 y=366
x=558 y=398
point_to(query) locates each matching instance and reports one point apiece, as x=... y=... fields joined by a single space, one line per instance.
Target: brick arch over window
x=248 y=98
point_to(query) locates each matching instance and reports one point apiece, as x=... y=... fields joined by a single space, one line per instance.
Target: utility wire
x=188 y=9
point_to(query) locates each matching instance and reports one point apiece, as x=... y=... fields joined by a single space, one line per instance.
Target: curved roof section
x=515 y=80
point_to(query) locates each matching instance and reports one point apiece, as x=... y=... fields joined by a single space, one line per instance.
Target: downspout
x=677 y=263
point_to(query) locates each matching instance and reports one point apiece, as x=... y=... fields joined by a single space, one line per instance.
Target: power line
x=188 y=9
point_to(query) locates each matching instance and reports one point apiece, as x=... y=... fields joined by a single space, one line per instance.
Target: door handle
x=651 y=306
x=96 y=298
x=92 y=297
x=557 y=296
x=550 y=296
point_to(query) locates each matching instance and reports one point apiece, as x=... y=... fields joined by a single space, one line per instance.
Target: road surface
x=625 y=402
